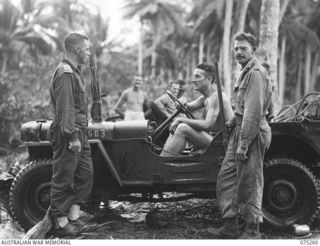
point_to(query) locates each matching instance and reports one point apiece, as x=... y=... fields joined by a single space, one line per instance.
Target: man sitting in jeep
x=198 y=132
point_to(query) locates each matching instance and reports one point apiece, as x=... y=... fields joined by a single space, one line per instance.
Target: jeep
x=127 y=166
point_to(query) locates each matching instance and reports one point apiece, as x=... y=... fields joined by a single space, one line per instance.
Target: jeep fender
x=108 y=160
x=293 y=147
x=35 y=154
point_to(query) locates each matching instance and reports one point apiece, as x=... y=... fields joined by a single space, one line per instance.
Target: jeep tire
x=291 y=193
x=30 y=193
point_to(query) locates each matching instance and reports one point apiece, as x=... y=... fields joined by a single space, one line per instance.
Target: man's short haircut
x=175 y=82
x=73 y=39
x=245 y=36
x=209 y=69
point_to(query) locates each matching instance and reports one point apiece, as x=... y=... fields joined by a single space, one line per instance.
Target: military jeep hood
x=39 y=130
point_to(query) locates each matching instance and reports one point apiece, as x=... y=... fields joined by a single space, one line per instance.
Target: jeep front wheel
x=30 y=193
x=291 y=193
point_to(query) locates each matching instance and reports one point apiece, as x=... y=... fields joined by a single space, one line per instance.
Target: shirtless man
x=135 y=98
x=197 y=131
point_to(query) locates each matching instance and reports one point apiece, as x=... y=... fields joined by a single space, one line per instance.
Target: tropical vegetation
x=174 y=37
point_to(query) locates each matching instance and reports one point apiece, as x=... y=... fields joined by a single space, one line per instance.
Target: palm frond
x=298 y=32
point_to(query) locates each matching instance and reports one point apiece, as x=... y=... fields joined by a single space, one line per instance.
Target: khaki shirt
x=252 y=97
x=166 y=104
x=69 y=99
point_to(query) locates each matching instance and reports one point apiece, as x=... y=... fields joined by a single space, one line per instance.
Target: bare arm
x=121 y=101
x=196 y=104
x=228 y=112
x=207 y=123
x=147 y=106
x=161 y=103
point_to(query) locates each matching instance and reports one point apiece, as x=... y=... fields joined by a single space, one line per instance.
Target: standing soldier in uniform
x=72 y=177
x=240 y=181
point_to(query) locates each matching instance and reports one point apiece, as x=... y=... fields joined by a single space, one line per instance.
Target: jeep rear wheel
x=291 y=193
x=30 y=193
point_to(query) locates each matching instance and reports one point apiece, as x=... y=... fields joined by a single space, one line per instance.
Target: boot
x=71 y=229
x=228 y=231
x=251 y=232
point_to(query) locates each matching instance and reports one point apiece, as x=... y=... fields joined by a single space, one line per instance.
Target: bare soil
x=185 y=220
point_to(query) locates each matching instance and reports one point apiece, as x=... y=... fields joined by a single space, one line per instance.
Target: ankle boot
x=229 y=230
x=66 y=231
x=251 y=232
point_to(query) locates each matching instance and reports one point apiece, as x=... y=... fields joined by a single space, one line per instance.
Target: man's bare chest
x=135 y=98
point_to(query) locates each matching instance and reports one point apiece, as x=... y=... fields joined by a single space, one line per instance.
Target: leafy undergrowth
x=18 y=155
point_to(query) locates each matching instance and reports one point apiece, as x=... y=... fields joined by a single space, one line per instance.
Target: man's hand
x=241 y=154
x=174 y=125
x=75 y=146
x=230 y=126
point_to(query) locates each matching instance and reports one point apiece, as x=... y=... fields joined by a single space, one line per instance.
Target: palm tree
x=226 y=46
x=268 y=50
x=214 y=22
x=25 y=29
x=298 y=29
x=239 y=20
x=164 y=18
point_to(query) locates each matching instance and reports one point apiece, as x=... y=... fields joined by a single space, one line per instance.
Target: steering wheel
x=182 y=107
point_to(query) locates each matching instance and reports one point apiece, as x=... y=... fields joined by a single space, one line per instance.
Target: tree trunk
x=201 y=41
x=283 y=7
x=208 y=54
x=4 y=64
x=140 y=57
x=298 y=86
x=241 y=13
x=194 y=60
x=153 y=63
x=226 y=47
x=269 y=23
x=282 y=70
x=188 y=67
x=314 y=73
x=307 y=70
x=169 y=75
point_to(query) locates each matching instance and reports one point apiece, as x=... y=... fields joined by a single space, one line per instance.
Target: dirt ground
x=180 y=220
x=186 y=220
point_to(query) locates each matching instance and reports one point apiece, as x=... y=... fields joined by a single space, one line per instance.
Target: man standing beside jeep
x=72 y=177
x=240 y=180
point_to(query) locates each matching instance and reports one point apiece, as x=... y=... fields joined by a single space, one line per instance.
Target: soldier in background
x=136 y=99
x=166 y=105
x=72 y=177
